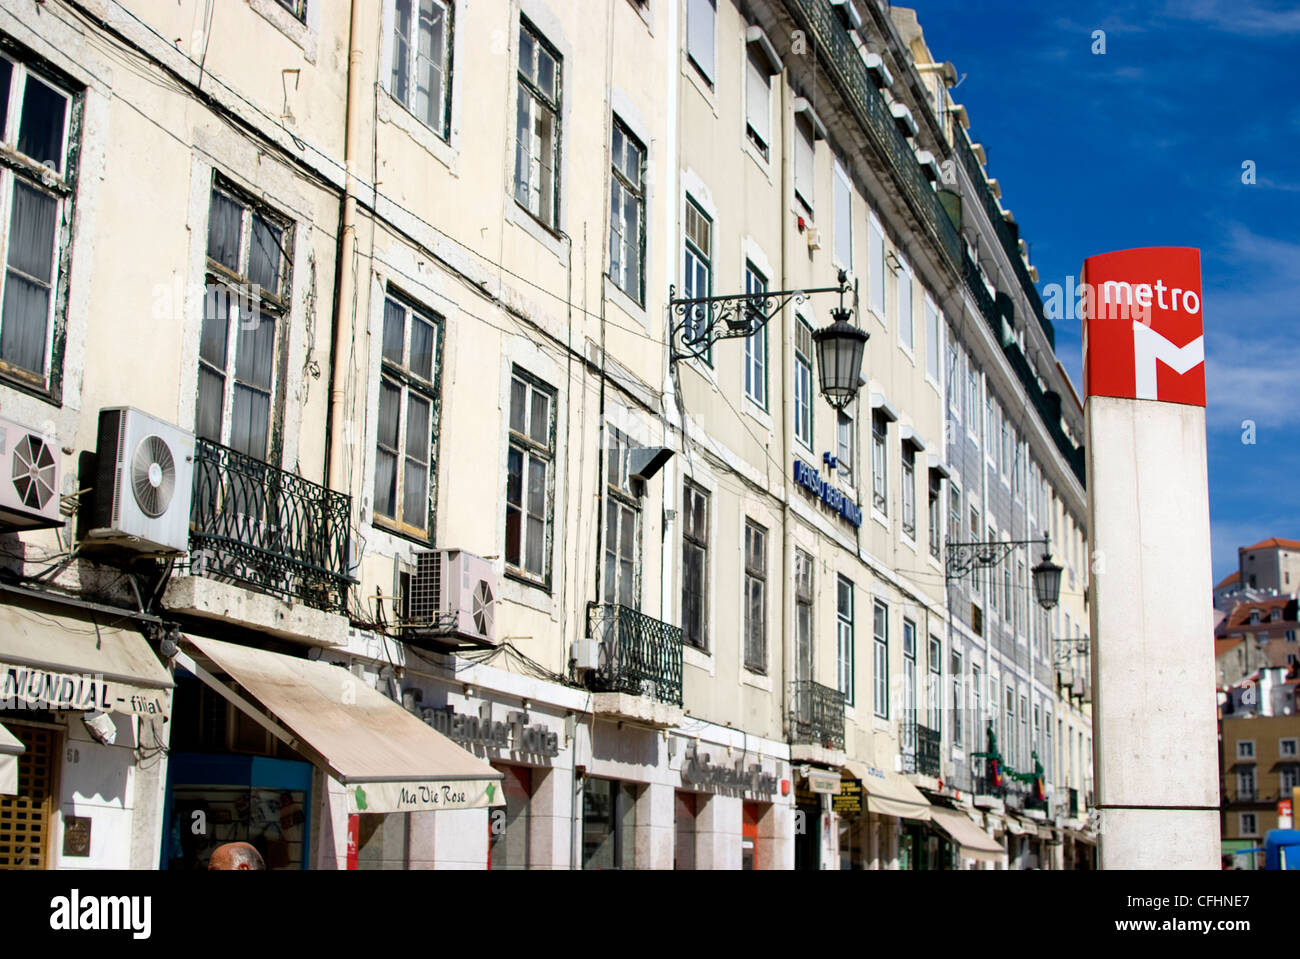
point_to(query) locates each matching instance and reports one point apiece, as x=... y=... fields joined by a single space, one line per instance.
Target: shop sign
x=1284 y=814
x=481 y=730
x=31 y=687
x=424 y=796
x=823 y=781
x=848 y=801
x=701 y=773
x=808 y=477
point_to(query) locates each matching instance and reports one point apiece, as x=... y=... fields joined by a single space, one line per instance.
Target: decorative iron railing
x=639 y=655
x=269 y=529
x=816 y=714
x=921 y=750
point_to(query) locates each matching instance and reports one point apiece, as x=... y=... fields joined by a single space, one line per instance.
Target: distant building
x=1271 y=564
x=1260 y=762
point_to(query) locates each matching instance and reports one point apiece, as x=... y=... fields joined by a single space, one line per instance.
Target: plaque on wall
x=76 y=836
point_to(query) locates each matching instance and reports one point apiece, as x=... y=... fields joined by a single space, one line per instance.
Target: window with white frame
x=1286 y=748
x=908 y=718
x=843 y=218
x=758 y=100
x=1009 y=726
x=934 y=687
x=954 y=381
x=701 y=17
x=297 y=8
x=907 y=491
x=990 y=429
x=36 y=189
x=627 y=214
x=421 y=75
x=844 y=451
x=1022 y=740
x=756 y=343
x=955 y=667
x=976 y=708
x=405 y=443
x=876 y=267
x=972 y=401
x=530 y=461
x=1246 y=782
x=933 y=348
x=803 y=615
x=622 y=574
x=844 y=638
x=1245 y=749
x=695 y=565
x=879 y=462
x=906 y=330
x=935 y=504
x=1290 y=778
x=1248 y=823
x=537 y=127
x=880 y=659
x=245 y=308
x=954 y=514
x=1049 y=771
x=755 y=597
x=1004 y=464
x=805 y=167
x=993 y=583
x=803 y=378
x=697 y=274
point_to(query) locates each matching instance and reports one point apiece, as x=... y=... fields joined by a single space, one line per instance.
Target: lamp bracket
x=963 y=558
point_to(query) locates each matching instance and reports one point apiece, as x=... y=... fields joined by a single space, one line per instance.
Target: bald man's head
x=236 y=855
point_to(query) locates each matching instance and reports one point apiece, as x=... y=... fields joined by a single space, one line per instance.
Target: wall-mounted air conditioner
x=452 y=599
x=29 y=478
x=143 y=483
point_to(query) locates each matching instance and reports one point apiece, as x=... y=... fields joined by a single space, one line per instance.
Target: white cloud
x=1255 y=17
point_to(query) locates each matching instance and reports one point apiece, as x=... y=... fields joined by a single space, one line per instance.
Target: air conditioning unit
x=143 y=483
x=452 y=599
x=814 y=239
x=586 y=655
x=29 y=478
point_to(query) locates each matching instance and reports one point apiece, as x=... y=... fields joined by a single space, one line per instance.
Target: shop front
x=725 y=807
x=970 y=846
x=817 y=836
x=315 y=768
x=890 y=830
x=83 y=713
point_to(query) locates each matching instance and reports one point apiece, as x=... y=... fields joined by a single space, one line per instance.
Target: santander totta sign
x=1143 y=336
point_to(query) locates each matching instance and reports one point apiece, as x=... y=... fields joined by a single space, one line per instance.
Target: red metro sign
x=1143 y=336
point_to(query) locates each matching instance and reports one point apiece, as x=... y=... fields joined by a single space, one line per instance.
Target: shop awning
x=890 y=794
x=972 y=842
x=389 y=760
x=10 y=750
x=1017 y=827
x=52 y=661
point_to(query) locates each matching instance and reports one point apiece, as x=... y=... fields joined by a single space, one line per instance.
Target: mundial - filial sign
x=1143 y=335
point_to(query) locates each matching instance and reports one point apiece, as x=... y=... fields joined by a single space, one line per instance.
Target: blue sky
x=1144 y=146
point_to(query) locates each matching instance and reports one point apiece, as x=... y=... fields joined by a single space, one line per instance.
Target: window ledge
x=699 y=658
x=623 y=301
x=515 y=589
x=764 y=164
x=643 y=11
x=879 y=318
x=393 y=111
x=880 y=517
x=695 y=76
x=522 y=218
x=757 y=680
x=302 y=34
x=907 y=351
x=757 y=412
x=880 y=725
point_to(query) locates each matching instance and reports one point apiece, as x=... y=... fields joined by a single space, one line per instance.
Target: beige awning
x=52 y=661
x=888 y=793
x=1017 y=827
x=390 y=760
x=972 y=842
x=10 y=750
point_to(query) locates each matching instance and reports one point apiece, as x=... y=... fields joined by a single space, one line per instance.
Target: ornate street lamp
x=700 y=322
x=965 y=557
x=1047 y=582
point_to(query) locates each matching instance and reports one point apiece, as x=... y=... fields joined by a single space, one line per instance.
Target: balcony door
x=621 y=574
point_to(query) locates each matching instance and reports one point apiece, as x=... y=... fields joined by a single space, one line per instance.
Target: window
x=1290 y=779
x=955 y=666
x=992 y=581
x=622 y=528
x=844 y=445
x=1022 y=739
x=697 y=274
x=1287 y=748
x=421 y=79
x=36 y=186
x=1248 y=824
x=758 y=101
x=537 y=128
x=977 y=708
x=934 y=688
x=756 y=344
x=954 y=515
x=880 y=664
x=1004 y=465
x=1007 y=608
x=299 y=8
x=755 y=597
x=844 y=638
x=1246 y=749
x=876 y=266
x=700 y=18
x=408 y=412
x=909 y=686
x=936 y=513
x=906 y=336
x=1246 y=783
x=1009 y=727
x=954 y=380
x=608 y=824
x=843 y=218
x=990 y=430
x=1049 y=772
x=803 y=615
x=972 y=400
x=803 y=374
x=627 y=214
x=805 y=168
x=529 y=478
x=879 y=462
x=695 y=566
x=247 y=284
x=932 y=345
x=908 y=496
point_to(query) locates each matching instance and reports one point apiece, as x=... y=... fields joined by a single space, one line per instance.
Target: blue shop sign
x=811 y=480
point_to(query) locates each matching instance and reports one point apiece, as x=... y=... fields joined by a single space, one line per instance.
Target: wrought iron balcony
x=816 y=714
x=268 y=529
x=921 y=750
x=639 y=655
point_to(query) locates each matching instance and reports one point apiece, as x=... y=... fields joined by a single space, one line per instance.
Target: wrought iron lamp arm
x=962 y=558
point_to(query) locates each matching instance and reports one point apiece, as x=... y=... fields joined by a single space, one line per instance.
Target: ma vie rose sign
x=423 y=796
x=1143 y=335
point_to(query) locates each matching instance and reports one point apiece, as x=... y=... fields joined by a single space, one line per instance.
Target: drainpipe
x=344 y=281
x=790 y=653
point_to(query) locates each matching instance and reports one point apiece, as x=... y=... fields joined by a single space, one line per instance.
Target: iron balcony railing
x=269 y=529
x=816 y=714
x=985 y=786
x=639 y=655
x=921 y=750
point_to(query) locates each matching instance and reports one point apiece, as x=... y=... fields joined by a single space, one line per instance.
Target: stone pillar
x=656 y=827
x=774 y=846
x=551 y=829
x=718 y=836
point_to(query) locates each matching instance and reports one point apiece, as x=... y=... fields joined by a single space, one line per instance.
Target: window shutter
x=700 y=16
x=803 y=164
x=758 y=90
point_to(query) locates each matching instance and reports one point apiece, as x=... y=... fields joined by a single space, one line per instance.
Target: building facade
x=420 y=450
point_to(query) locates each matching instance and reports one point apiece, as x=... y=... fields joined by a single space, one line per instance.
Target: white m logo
x=1149 y=346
